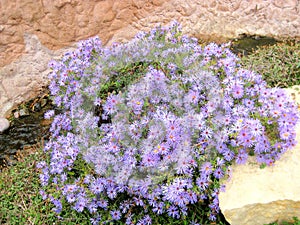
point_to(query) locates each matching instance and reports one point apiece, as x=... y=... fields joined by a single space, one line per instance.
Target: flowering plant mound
x=149 y=127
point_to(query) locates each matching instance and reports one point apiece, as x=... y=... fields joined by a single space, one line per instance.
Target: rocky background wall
x=34 y=31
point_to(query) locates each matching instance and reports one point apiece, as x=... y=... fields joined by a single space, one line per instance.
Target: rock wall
x=33 y=31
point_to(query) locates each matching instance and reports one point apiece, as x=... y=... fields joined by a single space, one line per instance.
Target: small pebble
x=4 y=124
x=16 y=114
x=37 y=107
x=24 y=112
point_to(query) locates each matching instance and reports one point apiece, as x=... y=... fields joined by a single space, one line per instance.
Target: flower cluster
x=159 y=144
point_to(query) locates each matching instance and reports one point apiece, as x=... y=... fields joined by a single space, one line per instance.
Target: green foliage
x=123 y=78
x=278 y=64
x=20 y=201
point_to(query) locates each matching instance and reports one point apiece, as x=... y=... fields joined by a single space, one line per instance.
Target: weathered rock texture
x=4 y=124
x=257 y=196
x=27 y=76
x=60 y=23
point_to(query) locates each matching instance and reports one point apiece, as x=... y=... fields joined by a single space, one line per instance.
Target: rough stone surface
x=59 y=24
x=24 y=78
x=4 y=124
x=257 y=196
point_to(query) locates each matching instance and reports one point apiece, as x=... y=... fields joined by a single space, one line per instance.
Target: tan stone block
x=185 y=9
x=103 y=12
x=158 y=2
x=61 y=3
x=125 y=4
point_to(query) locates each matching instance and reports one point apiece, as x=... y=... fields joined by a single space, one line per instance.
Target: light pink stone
x=4 y=124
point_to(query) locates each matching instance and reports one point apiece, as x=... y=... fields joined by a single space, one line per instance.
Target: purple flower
x=285 y=134
x=49 y=114
x=96 y=220
x=57 y=204
x=80 y=204
x=158 y=208
x=248 y=103
x=241 y=157
x=218 y=173
x=138 y=201
x=228 y=155
x=70 y=188
x=97 y=185
x=92 y=206
x=43 y=194
x=146 y=220
x=245 y=138
x=220 y=161
x=193 y=96
x=207 y=133
x=202 y=182
x=115 y=214
x=227 y=102
x=191 y=196
x=44 y=177
x=237 y=91
x=206 y=168
x=70 y=197
x=173 y=212
x=111 y=192
x=150 y=160
x=111 y=104
x=212 y=217
x=102 y=203
x=97 y=101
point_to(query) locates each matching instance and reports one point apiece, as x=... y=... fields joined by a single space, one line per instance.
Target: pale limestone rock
x=295 y=93
x=4 y=124
x=257 y=196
